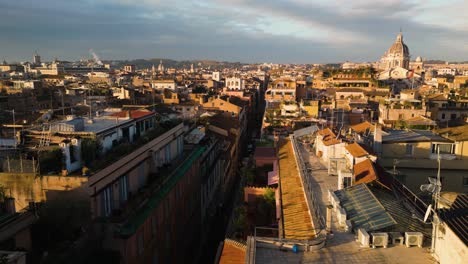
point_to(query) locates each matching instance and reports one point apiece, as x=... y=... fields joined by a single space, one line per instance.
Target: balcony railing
x=137 y=199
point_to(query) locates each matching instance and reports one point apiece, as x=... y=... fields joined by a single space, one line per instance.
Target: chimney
x=378 y=140
x=10 y=205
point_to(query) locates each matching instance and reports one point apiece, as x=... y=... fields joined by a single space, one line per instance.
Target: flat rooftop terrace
x=341 y=246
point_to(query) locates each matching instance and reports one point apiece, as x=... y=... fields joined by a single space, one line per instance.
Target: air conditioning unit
x=414 y=239
x=363 y=237
x=379 y=240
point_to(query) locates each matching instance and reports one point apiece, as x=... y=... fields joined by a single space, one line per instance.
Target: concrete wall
x=26 y=187
x=70 y=165
x=171 y=229
x=422 y=156
x=449 y=248
x=413 y=178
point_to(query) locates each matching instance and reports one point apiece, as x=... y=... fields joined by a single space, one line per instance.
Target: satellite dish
x=428 y=212
x=427 y=188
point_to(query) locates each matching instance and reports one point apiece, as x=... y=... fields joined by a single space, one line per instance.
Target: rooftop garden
x=95 y=161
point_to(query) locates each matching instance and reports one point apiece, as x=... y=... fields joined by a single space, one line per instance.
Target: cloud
x=302 y=31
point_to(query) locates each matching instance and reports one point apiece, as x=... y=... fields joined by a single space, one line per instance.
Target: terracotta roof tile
x=233 y=252
x=326 y=132
x=329 y=138
x=362 y=127
x=133 y=114
x=364 y=172
x=331 y=141
x=356 y=150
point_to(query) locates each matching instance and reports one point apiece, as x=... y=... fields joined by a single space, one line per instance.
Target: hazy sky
x=295 y=31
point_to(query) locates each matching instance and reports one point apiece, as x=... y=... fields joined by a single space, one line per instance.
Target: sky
x=250 y=31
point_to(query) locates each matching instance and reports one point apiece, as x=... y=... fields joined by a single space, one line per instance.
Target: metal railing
x=403 y=192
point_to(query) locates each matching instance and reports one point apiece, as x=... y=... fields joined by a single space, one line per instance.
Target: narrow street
x=223 y=215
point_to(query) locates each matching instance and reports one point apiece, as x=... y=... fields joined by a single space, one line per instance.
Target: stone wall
x=26 y=187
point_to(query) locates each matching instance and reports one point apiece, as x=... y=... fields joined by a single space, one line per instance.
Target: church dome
x=399 y=47
x=418 y=59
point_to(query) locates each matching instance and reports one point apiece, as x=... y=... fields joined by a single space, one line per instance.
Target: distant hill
x=168 y=63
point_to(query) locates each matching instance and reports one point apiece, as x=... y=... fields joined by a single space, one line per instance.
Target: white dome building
x=396 y=56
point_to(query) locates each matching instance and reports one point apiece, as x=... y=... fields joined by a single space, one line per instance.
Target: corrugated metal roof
x=459 y=133
x=457 y=217
x=401 y=136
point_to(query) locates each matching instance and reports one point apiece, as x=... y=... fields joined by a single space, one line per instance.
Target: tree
x=51 y=160
x=240 y=222
x=270 y=197
x=90 y=150
x=249 y=176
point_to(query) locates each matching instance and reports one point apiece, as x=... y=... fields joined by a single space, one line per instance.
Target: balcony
x=434 y=156
x=156 y=182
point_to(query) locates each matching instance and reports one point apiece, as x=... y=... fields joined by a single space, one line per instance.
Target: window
x=141 y=175
x=180 y=145
x=442 y=116
x=347 y=181
x=465 y=181
x=453 y=116
x=409 y=149
x=167 y=153
x=106 y=201
x=444 y=148
x=140 y=243
x=123 y=184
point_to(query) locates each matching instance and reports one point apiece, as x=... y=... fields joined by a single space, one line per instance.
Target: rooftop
x=364 y=209
x=296 y=217
x=233 y=252
x=135 y=114
x=341 y=247
x=459 y=133
x=363 y=127
x=356 y=150
x=412 y=136
x=456 y=217
x=101 y=124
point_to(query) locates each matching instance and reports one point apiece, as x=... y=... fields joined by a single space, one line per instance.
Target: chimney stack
x=378 y=140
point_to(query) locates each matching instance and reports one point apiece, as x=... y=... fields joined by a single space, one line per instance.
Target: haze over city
x=277 y=31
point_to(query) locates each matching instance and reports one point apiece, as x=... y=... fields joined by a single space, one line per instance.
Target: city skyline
x=232 y=30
